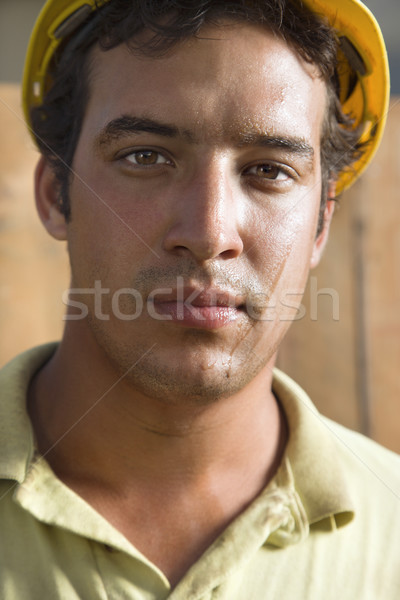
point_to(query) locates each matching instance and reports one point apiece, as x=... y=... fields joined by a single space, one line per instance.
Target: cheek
x=97 y=236
x=282 y=247
x=123 y=208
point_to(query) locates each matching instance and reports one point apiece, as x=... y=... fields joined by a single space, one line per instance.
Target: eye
x=268 y=171
x=144 y=158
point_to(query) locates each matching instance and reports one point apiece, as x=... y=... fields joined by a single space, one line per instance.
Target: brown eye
x=145 y=157
x=268 y=171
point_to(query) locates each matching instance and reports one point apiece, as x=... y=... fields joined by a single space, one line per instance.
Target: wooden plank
x=350 y=368
x=33 y=267
x=381 y=216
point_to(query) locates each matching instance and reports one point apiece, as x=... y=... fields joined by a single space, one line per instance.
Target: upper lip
x=200 y=296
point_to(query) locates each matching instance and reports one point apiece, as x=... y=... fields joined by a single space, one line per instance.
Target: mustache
x=148 y=278
x=244 y=285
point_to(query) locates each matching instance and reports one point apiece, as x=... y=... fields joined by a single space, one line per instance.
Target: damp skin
x=202 y=164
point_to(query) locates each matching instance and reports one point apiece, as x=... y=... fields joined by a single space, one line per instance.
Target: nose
x=207 y=215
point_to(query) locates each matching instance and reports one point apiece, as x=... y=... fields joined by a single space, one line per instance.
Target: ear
x=47 y=195
x=321 y=240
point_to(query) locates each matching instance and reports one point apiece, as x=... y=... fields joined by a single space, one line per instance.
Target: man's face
x=197 y=177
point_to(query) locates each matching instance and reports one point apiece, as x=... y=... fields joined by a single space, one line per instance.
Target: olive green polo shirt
x=326 y=527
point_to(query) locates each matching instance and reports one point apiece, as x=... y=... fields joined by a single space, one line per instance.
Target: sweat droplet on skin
x=205 y=366
x=225 y=364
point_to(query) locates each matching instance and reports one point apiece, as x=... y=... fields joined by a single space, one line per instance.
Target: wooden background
x=345 y=351
x=351 y=366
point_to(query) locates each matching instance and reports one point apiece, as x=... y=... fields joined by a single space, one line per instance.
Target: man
x=190 y=156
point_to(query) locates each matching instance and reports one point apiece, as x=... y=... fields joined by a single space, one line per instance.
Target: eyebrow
x=128 y=125
x=294 y=145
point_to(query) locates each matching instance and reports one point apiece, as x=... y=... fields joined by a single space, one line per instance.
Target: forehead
x=228 y=79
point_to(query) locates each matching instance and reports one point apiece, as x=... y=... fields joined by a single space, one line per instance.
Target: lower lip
x=199 y=317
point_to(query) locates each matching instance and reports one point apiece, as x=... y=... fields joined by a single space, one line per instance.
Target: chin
x=197 y=382
x=200 y=373
x=183 y=385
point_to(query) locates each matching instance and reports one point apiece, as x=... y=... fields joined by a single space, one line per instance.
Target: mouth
x=198 y=308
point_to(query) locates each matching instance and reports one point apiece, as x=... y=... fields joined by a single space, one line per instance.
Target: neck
x=102 y=431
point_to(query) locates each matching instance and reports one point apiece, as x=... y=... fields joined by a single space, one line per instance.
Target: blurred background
x=345 y=350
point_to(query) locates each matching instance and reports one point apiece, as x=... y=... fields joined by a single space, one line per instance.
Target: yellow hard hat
x=361 y=51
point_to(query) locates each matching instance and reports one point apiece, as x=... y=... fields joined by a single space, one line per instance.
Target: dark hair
x=57 y=122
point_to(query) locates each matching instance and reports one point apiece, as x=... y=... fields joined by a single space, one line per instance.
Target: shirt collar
x=16 y=434
x=311 y=451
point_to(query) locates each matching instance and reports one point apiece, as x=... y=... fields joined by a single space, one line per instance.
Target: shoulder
x=371 y=470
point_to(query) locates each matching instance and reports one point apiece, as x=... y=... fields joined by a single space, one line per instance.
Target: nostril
x=229 y=254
